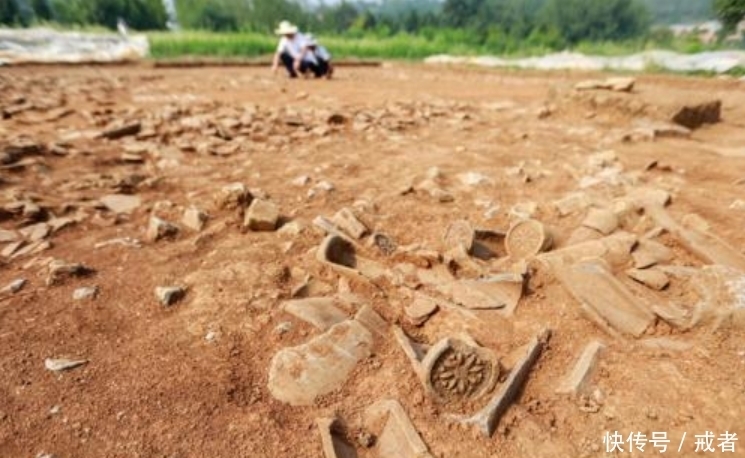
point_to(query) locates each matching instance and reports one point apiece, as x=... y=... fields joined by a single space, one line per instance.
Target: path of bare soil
x=410 y=149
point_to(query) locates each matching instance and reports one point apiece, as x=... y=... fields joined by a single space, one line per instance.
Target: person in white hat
x=290 y=49
x=318 y=57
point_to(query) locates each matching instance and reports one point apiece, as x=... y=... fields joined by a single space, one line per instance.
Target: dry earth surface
x=91 y=154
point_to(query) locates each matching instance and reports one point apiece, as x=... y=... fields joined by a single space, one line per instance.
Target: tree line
x=552 y=23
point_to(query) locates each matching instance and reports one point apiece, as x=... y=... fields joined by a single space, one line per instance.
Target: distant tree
x=730 y=12
x=461 y=13
x=593 y=20
x=8 y=12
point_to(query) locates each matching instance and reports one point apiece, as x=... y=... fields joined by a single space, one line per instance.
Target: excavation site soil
x=404 y=261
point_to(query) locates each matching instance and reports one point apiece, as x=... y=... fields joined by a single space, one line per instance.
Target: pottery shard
x=320 y=312
x=526 y=239
x=158 y=229
x=649 y=253
x=399 y=437
x=125 y=130
x=262 y=215
x=460 y=235
x=346 y=220
x=120 y=203
x=298 y=375
x=653 y=278
x=602 y=220
x=582 y=370
x=194 y=219
x=695 y=115
x=332 y=444
x=420 y=309
x=607 y=301
x=232 y=196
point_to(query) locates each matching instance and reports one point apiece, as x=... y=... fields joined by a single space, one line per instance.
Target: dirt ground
x=410 y=149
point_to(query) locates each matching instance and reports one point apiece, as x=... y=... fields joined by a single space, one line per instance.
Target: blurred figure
x=290 y=49
x=318 y=58
x=121 y=26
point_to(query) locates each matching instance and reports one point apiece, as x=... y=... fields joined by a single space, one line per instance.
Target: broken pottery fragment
x=652 y=278
x=486 y=419
x=526 y=239
x=348 y=222
x=574 y=381
x=332 y=444
x=321 y=312
x=607 y=301
x=298 y=375
x=399 y=437
x=341 y=255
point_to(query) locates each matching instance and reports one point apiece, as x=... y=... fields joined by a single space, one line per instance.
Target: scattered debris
x=420 y=309
x=194 y=219
x=333 y=446
x=619 y=84
x=602 y=220
x=605 y=300
x=346 y=220
x=262 y=215
x=85 y=293
x=696 y=115
x=653 y=278
x=169 y=295
x=63 y=364
x=121 y=203
x=159 y=229
x=14 y=286
x=126 y=130
x=298 y=375
x=61 y=270
x=399 y=437
x=582 y=370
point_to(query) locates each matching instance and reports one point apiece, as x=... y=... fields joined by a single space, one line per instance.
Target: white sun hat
x=311 y=40
x=286 y=28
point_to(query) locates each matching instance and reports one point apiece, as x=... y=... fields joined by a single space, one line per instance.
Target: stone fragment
x=63 y=364
x=602 y=220
x=332 y=444
x=7 y=236
x=158 y=229
x=262 y=215
x=459 y=236
x=321 y=312
x=115 y=133
x=233 y=196
x=346 y=220
x=60 y=270
x=694 y=116
x=618 y=84
x=14 y=286
x=574 y=381
x=649 y=253
x=36 y=232
x=194 y=219
x=653 y=278
x=420 y=309
x=121 y=203
x=81 y=294
x=399 y=437
x=606 y=301
x=169 y=295
x=572 y=203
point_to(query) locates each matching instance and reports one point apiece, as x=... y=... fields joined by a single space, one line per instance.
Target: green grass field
x=206 y=44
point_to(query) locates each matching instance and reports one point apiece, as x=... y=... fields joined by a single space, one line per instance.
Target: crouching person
x=317 y=57
x=290 y=50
